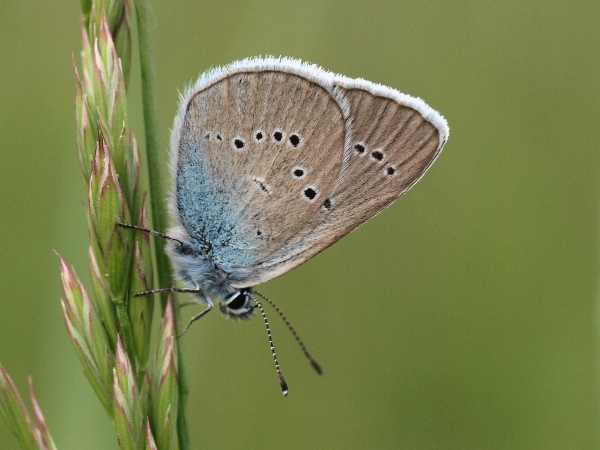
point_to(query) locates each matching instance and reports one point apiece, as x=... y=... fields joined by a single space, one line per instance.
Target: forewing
x=256 y=153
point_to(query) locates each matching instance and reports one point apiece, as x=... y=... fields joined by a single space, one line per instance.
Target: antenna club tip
x=284 y=386
x=315 y=365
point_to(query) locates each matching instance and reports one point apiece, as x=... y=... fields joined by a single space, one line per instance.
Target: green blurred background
x=463 y=317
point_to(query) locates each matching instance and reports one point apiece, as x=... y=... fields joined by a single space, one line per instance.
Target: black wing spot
x=377 y=155
x=258 y=232
x=238 y=143
x=327 y=203
x=219 y=137
x=207 y=135
x=299 y=172
x=294 y=140
x=278 y=135
x=259 y=136
x=310 y=193
x=390 y=171
x=359 y=149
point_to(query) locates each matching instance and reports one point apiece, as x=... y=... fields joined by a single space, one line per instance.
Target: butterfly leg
x=171 y=289
x=196 y=290
x=198 y=316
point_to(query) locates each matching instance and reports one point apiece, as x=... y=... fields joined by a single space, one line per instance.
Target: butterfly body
x=274 y=160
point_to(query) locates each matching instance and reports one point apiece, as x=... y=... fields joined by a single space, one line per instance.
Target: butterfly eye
x=237 y=306
x=237 y=301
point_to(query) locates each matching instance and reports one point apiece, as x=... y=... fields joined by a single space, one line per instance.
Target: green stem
x=157 y=194
x=153 y=152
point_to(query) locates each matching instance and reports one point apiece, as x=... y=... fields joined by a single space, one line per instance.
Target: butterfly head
x=238 y=306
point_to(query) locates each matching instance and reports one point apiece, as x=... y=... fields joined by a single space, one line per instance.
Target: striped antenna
x=315 y=365
x=283 y=384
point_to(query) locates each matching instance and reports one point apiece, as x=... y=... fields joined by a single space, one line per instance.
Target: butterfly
x=274 y=160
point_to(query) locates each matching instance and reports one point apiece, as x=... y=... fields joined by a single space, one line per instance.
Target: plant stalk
x=153 y=149
x=157 y=195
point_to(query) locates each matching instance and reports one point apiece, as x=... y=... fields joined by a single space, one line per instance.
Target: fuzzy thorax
x=194 y=265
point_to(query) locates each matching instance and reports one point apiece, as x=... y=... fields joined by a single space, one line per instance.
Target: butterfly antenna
x=284 y=387
x=315 y=365
x=147 y=230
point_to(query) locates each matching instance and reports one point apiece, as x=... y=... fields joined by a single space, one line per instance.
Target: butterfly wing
x=395 y=138
x=276 y=160
x=256 y=147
